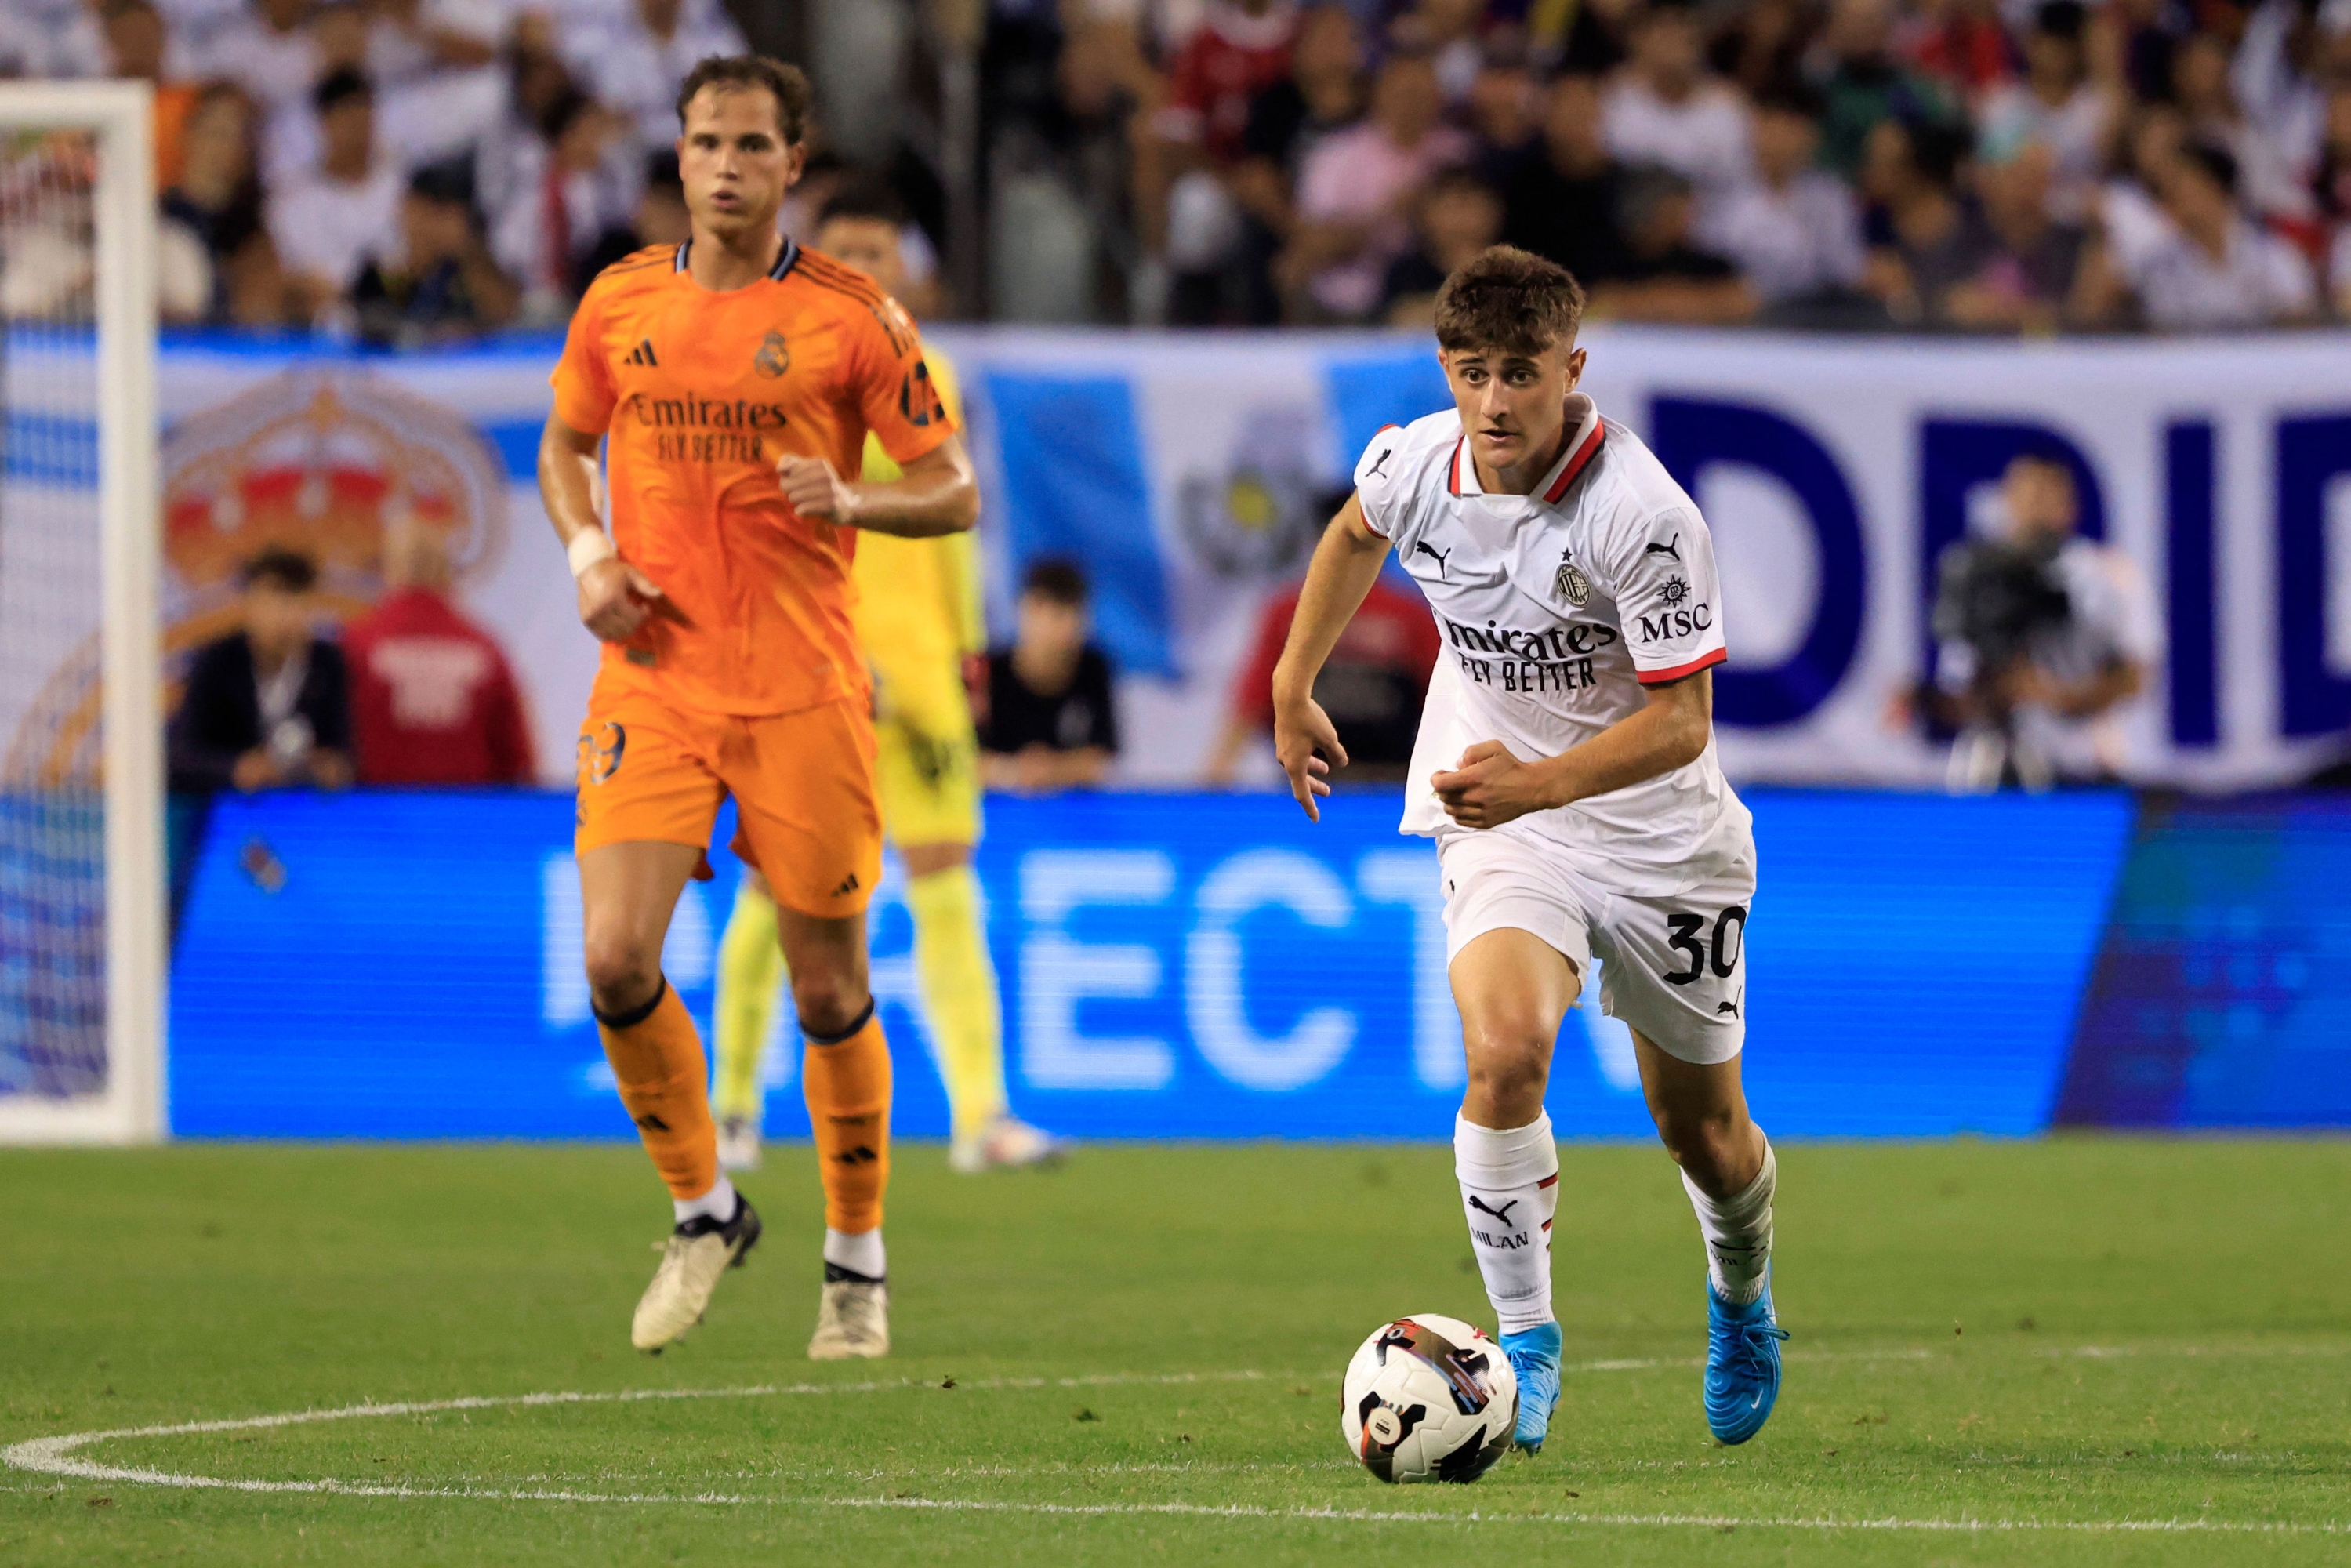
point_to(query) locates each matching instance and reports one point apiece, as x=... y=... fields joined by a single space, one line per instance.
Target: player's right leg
x=1513 y=989
x=628 y=890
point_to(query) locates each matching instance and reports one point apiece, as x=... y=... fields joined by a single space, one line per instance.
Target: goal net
x=81 y=907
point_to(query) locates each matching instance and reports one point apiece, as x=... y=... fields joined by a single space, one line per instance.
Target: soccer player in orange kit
x=734 y=378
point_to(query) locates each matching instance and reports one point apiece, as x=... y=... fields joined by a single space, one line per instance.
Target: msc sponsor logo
x=1666 y=625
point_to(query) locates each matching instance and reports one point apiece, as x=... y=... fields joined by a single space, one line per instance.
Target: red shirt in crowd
x=1373 y=683
x=1232 y=59
x=433 y=701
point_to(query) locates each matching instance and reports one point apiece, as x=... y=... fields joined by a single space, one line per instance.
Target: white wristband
x=587 y=547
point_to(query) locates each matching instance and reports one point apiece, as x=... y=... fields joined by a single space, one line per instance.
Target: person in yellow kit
x=918 y=620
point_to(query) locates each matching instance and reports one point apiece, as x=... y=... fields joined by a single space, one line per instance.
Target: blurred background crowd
x=405 y=170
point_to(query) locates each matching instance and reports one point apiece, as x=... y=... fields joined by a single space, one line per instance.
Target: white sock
x=1510 y=1190
x=718 y=1204
x=860 y=1254
x=1737 y=1233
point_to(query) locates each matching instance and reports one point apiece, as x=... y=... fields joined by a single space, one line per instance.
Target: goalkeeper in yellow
x=918 y=617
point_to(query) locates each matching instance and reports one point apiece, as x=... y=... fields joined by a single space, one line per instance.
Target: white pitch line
x=55 y=1455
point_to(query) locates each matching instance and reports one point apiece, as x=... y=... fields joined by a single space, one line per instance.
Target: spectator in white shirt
x=2279 y=72
x=52 y=38
x=636 y=66
x=1666 y=109
x=434 y=63
x=2269 y=177
x=2212 y=269
x=324 y=222
x=578 y=177
x=2056 y=105
x=1794 y=229
x=269 y=52
x=196 y=26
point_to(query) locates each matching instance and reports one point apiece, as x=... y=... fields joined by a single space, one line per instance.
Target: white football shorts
x=1673 y=967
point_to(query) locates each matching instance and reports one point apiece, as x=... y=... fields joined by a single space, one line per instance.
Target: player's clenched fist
x=1302 y=729
x=816 y=491
x=614 y=599
x=1489 y=787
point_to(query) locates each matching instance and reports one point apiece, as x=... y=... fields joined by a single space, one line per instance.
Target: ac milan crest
x=1573 y=585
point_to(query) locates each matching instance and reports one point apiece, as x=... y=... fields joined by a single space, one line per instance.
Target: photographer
x=2043 y=640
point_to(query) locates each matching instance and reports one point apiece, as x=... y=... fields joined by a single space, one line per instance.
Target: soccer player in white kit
x=1566 y=768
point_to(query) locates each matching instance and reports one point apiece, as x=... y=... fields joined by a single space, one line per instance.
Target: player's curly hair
x=1509 y=300
x=786 y=84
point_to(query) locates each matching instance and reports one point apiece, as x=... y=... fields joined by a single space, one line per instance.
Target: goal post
x=82 y=852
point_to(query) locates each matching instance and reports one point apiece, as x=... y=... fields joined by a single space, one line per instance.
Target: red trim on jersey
x=1658 y=677
x=1584 y=455
x=1551 y=1180
x=1453 y=475
x=1385 y=428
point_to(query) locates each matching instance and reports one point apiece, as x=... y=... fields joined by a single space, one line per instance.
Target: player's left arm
x=890 y=386
x=936 y=494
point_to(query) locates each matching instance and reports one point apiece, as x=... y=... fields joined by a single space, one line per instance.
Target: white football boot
x=852 y=1322
x=695 y=1254
x=1004 y=1144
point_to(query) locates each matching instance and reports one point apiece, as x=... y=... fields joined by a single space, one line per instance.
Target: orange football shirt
x=699 y=394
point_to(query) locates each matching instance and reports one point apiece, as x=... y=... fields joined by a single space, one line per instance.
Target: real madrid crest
x=773 y=358
x=1573 y=585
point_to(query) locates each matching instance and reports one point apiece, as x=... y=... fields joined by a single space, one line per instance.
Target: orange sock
x=847 y=1080
x=657 y=1057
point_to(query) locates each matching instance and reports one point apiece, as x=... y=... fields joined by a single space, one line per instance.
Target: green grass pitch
x=2079 y=1351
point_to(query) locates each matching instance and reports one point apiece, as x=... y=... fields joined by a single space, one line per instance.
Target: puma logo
x=1381 y=461
x=1673 y=548
x=1502 y=1214
x=1722 y=1007
x=1422 y=547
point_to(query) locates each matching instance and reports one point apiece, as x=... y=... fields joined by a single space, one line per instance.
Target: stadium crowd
x=414 y=168
x=1986 y=166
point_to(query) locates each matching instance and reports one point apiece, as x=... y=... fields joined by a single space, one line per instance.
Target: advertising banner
x=408 y=965
x=1191 y=473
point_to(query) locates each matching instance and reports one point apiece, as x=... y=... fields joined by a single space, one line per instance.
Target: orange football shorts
x=808 y=814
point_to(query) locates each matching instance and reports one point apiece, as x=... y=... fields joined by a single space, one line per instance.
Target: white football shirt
x=1555 y=609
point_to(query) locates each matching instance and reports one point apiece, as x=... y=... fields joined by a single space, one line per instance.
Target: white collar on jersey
x=1583 y=446
x=784 y=259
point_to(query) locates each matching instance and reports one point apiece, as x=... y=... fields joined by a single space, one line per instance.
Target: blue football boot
x=1742 y=1364
x=1534 y=1358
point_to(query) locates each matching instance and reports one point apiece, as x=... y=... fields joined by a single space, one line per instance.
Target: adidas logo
x=847 y=885
x=860 y=1155
x=652 y=1123
x=643 y=354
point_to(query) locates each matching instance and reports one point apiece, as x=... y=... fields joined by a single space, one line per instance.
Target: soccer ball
x=1428 y=1398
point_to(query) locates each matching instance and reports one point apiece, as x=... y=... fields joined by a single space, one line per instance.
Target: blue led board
x=1173 y=965
x=2222 y=996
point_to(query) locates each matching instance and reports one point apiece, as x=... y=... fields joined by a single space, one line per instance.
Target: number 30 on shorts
x=1718 y=951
